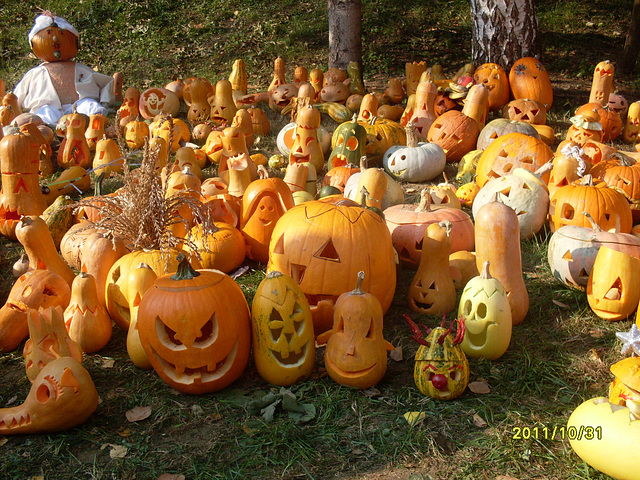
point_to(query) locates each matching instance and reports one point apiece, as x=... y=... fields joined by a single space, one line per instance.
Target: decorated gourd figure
x=487 y=316
x=21 y=193
x=356 y=353
x=496 y=80
x=54 y=87
x=602 y=84
x=48 y=340
x=423 y=110
x=141 y=279
x=381 y=132
x=263 y=203
x=432 y=290
x=62 y=396
x=195 y=327
x=236 y=164
x=284 y=348
x=585 y=127
x=223 y=108
x=323 y=246
x=348 y=141
x=441 y=368
x=108 y=158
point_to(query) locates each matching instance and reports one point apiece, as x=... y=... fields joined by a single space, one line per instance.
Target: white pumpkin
x=415 y=162
x=525 y=192
x=394 y=195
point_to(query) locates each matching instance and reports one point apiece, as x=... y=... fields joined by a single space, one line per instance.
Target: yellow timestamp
x=572 y=432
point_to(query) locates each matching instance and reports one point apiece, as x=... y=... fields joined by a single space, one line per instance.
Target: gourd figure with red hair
x=59 y=84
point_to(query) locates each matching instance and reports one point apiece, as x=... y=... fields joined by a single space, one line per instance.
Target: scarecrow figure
x=59 y=85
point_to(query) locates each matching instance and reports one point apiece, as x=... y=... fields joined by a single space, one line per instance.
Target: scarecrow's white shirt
x=36 y=90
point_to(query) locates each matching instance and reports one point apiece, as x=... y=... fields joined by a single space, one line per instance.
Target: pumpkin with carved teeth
x=323 y=246
x=195 y=328
x=280 y=97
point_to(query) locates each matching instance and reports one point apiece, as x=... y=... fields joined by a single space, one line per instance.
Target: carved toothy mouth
x=338 y=160
x=201 y=375
x=292 y=359
x=12 y=421
x=345 y=374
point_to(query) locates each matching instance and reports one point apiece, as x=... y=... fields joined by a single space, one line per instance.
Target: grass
x=558 y=357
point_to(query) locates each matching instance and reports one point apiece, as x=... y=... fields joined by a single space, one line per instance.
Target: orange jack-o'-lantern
x=495 y=79
x=283 y=341
x=306 y=147
x=129 y=110
x=356 y=353
x=195 y=327
x=322 y=246
x=62 y=396
x=223 y=108
x=155 y=101
x=526 y=110
x=54 y=39
x=529 y=79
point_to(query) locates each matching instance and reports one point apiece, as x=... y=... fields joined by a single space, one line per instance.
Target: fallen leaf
x=171 y=476
x=411 y=190
x=478 y=421
x=596 y=333
x=3 y=440
x=125 y=432
x=396 y=354
x=115 y=451
x=197 y=410
x=107 y=362
x=479 y=387
x=415 y=418
x=137 y=414
x=11 y=400
x=560 y=304
x=593 y=355
x=247 y=430
x=371 y=392
x=505 y=477
x=215 y=417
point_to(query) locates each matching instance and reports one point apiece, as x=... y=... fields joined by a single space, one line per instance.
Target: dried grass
x=141 y=212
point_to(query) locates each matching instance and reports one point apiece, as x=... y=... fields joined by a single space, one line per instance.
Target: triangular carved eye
x=279 y=248
x=372 y=332
x=328 y=252
x=615 y=292
x=567 y=256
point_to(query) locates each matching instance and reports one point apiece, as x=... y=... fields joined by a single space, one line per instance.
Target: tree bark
x=345 y=32
x=632 y=42
x=503 y=31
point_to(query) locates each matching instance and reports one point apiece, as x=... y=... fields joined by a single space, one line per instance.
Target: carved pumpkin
x=528 y=78
x=33 y=290
x=423 y=109
x=432 y=290
x=140 y=280
x=356 y=352
x=487 y=316
x=348 y=143
x=108 y=158
x=155 y=101
x=441 y=369
x=455 y=132
x=74 y=149
x=222 y=249
x=610 y=120
x=526 y=110
x=501 y=126
x=62 y=396
x=602 y=84
x=496 y=81
x=48 y=340
x=322 y=246
x=129 y=110
x=283 y=341
x=613 y=288
x=306 y=146
x=196 y=94
x=631 y=132
x=55 y=43
x=338 y=176
x=135 y=132
x=195 y=327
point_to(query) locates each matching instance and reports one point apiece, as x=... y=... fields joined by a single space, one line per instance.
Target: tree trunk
x=503 y=31
x=345 y=28
x=632 y=42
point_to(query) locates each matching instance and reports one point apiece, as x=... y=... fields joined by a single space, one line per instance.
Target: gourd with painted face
x=487 y=317
x=283 y=342
x=195 y=328
x=348 y=141
x=441 y=369
x=356 y=353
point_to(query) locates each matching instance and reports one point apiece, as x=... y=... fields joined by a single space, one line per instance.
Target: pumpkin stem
x=262 y=172
x=544 y=168
x=417 y=332
x=185 y=270
x=425 y=201
x=363 y=162
x=587 y=180
x=447 y=225
x=358 y=290
x=596 y=228
x=485 y=274
x=274 y=274
x=412 y=139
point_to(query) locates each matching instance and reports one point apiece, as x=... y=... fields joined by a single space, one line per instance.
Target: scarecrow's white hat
x=46 y=20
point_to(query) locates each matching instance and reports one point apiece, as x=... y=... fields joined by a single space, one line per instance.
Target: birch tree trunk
x=503 y=31
x=345 y=32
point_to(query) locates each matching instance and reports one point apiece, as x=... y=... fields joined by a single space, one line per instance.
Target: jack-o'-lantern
x=526 y=110
x=631 y=132
x=510 y=151
x=382 y=133
x=281 y=96
x=348 y=141
x=323 y=245
x=618 y=104
x=602 y=83
x=487 y=316
x=195 y=327
x=32 y=290
x=135 y=132
x=58 y=42
x=156 y=101
x=74 y=149
x=306 y=146
x=522 y=190
x=338 y=176
x=585 y=127
x=624 y=390
x=423 y=109
x=608 y=207
x=284 y=349
x=95 y=129
x=259 y=121
x=625 y=178
x=573 y=249
x=335 y=90
x=408 y=223
x=108 y=158
x=263 y=203
x=235 y=162
x=501 y=126
x=413 y=72
x=613 y=288
x=62 y=396
x=223 y=108
x=196 y=94
x=528 y=78
x=129 y=110
x=496 y=80
x=356 y=352
x=171 y=129
x=455 y=132
x=48 y=340
x=441 y=369
x=21 y=193
x=610 y=120
x=432 y=290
